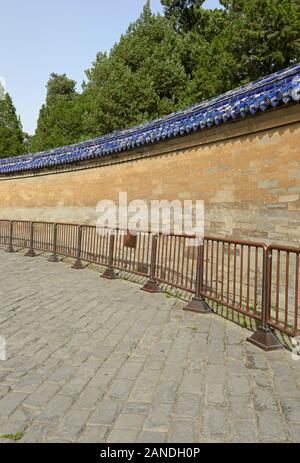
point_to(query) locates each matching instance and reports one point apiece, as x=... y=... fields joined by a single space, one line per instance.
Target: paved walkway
x=92 y=360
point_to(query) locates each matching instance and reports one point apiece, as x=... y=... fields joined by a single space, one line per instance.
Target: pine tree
x=246 y=40
x=59 y=121
x=186 y=15
x=262 y=35
x=142 y=77
x=11 y=137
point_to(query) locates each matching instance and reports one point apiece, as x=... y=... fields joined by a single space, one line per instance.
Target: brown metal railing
x=4 y=231
x=284 y=289
x=43 y=236
x=132 y=252
x=21 y=233
x=249 y=277
x=95 y=245
x=176 y=261
x=232 y=274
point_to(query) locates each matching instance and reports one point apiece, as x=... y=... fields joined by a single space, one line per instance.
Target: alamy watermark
x=155 y=216
x=2 y=349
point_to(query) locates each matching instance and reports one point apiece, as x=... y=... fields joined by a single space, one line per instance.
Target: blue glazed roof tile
x=279 y=88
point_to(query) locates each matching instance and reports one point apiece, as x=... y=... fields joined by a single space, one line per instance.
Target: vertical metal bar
x=263 y=336
x=287 y=278
x=106 y=248
x=152 y=285
x=193 y=269
x=248 y=276
x=150 y=245
x=206 y=267
x=187 y=260
x=109 y=273
x=217 y=269
x=182 y=263
x=255 y=280
x=277 y=286
x=211 y=265
x=159 y=264
x=117 y=247
x=266 y=287
x=54 y=257
x=198 y=304
x=163 y=257
x=10 y=246
x=30 y=252
x=228 y=270
x=125 y=256
x=234 y=274
x=296 y=294
x=241 y=276
x=78 y=265
x=174 y=270
x=222 y=275
x=139 y=251
x=168 y=256
x=100 y=238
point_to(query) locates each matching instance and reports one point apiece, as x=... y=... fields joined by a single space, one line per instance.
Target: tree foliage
x=143 y=76
x=11 y=137
x=60 y=118
x=245 y=40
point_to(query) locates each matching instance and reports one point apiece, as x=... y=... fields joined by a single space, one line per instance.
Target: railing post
x=152 y=285
x=54 y=257
x=30 y=252
x=78 y=265
x=198 y=304
x=10 y=246
x=109 y=273
x=263 y=336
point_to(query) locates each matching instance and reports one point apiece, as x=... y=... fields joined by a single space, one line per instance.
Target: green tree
x=11 y=137
x=188 y=15
x=60 y=118
x=239 y=43
x=143 y=77
x=262 y=35
x=27 y=142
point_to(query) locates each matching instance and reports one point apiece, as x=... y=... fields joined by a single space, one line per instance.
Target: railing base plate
x=198 y=305
x=9 y=249
x=265 y=339
x=109 y=274
x=53 y=258
x=30 y=253
x=78 y=265
x=151 y=287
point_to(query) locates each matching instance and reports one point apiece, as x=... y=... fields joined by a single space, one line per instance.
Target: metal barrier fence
x=251 y=278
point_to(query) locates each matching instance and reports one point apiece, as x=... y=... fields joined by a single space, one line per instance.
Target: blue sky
x=39 y=37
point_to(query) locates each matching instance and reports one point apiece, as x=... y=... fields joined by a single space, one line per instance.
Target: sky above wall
x=63 y=36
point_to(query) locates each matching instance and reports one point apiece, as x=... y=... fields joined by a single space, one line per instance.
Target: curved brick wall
x=247 y=171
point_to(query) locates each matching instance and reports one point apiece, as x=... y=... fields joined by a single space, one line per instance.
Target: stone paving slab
x=92 y=360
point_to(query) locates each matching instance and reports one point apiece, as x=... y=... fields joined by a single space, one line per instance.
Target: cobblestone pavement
x=92 y=360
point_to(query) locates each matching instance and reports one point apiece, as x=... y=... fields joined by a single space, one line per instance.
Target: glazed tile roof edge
x=274 y=90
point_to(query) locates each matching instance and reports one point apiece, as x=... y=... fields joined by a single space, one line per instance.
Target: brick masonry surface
x=91 y=360
x=247 y=172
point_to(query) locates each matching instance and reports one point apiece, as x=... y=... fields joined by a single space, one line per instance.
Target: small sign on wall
x=130 y=241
